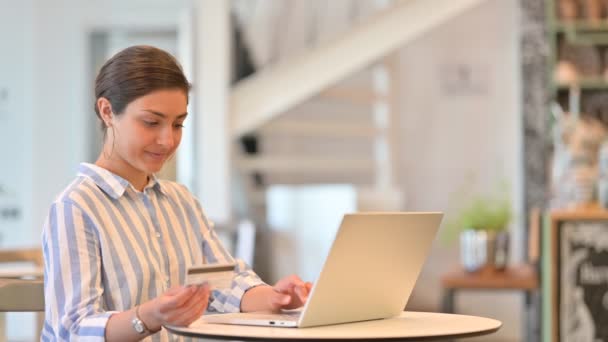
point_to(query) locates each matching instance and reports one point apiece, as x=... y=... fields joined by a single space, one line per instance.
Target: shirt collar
x=111 y=183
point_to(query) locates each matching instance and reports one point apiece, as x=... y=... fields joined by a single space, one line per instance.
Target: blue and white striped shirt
x=108 y=247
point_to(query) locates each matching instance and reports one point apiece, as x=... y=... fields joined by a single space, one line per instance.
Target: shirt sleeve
x=226 y=300
x=72 y=277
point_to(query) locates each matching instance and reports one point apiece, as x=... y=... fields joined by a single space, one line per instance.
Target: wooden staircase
x=343 y=135
x=274 y=90
x=327 y=115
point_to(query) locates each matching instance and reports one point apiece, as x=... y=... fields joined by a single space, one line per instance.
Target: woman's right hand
x=179 y=306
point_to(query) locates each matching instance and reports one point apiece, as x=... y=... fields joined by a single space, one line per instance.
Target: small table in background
x=513 y=278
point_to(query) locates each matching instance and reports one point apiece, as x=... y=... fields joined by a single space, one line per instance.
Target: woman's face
x=149 y=130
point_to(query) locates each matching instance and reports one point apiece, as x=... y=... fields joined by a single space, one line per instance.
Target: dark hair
x=135 y=72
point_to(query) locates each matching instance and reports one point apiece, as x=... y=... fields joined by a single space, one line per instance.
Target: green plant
x=483 y=212
x=487 y=214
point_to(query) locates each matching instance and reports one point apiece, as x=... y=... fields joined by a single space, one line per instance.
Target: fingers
x=186 y=306
x=288 y=283
x=175 y=298
x=308 y=286
x=203 y=308
x=174 y=290
x=295 y=288
x=192 y=309
x=302 y=293
x=279 y=300
x=198 y=310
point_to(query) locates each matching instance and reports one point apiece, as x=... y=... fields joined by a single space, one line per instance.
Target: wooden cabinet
x=578 y=55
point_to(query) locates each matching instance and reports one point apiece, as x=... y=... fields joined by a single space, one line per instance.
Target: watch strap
x=138 y=321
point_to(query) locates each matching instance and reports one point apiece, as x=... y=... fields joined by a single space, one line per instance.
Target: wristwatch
x=138 y=324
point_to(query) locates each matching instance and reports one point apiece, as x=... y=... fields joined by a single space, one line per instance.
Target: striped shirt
x=108 y=247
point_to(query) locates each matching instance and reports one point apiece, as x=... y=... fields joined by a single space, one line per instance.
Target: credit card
x=216 y=275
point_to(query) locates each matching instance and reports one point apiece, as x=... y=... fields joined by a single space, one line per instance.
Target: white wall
x=60 y=91
x=15 y=120
x=44 y=123
x=452 y=128
x=16 y=78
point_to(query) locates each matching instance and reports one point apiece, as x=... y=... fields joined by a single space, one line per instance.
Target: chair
x=21 y=289
x=21 y=295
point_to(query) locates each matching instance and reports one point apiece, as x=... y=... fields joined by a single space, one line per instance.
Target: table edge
x=181 y=332
x=248 y=338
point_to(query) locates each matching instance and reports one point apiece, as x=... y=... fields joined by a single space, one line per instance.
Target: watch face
x=138 y=326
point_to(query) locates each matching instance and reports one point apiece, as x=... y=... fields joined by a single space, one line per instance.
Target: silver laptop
x=369 y=273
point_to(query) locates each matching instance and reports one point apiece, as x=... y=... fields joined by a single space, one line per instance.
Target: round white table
x=407 y=326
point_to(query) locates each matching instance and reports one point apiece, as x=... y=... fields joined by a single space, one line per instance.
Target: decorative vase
x=473 y=249
x=480 y=249
x=568 y=10
x=501 y=250
x=593 y=10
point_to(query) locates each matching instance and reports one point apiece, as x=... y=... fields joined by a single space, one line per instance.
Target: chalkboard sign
x=583 y=281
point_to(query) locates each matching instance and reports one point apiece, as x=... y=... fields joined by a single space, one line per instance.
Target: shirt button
x=158 y=235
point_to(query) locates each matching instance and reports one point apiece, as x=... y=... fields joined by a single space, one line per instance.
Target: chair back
x=21 y=289
x=22 y=255
x=21 y=295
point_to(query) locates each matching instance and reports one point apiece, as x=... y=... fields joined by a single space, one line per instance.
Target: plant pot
x=473 y=249
x=480 y=249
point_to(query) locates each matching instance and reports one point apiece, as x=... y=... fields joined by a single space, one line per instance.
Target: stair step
x=291 y=164
x=316 y=128
x=368 y=198
x=360 y=95
x=380 y=199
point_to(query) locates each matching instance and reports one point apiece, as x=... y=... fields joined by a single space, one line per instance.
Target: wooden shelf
x=582 y=26
x=598 y=83
x=588 y=212
x=584 y=33
x=518 y=277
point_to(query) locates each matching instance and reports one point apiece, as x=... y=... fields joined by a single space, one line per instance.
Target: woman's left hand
x=290 y=292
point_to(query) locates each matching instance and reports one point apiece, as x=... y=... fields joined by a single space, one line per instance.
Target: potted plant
x=482 y=227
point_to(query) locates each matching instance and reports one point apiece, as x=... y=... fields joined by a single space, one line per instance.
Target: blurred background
x=302 y=111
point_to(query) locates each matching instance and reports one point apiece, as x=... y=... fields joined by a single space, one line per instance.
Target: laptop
x=369 y=273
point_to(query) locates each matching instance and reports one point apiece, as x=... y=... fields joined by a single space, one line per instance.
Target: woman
x=117 y=241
